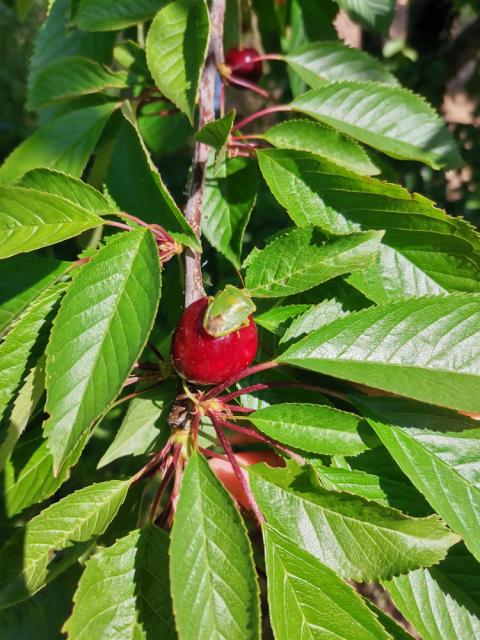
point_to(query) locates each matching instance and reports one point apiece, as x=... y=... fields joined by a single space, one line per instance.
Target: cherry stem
x=250 y=371
x=260 y=114
x=135 y=394
x=259 y=58
x=153 y=348
x=134 y=379
x=119 y=225
x=151 y=464
x=261 y=386
x=261 y=438
x=195 y=426
x=146 y=366
x=233 y=79
x=238 y=409
x=161 y=489
x=235 y=466
x=208 y=453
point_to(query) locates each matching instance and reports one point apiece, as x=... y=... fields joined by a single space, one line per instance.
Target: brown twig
x=193 y=210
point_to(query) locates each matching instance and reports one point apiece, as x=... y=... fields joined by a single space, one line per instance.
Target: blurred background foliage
x=432 y=46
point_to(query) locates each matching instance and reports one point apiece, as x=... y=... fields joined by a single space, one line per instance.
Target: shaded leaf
x=144 y=426
x=27 y=557
x=176 y=48
x=136 y=186
x=390 y=119
x=214 y=588
x=102 y=326
x=314 y=318
x=123 y=593
x=65 y=144
x=72 y=77
x=228 y=202
x=104 y=15
x=216 y=133
x=24 y=277
x=375 y=15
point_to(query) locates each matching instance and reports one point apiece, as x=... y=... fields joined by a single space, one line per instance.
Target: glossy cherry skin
x=241 y=65
x=225 y=473
x=206 y=359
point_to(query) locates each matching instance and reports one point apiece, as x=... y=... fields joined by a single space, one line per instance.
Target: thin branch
x=260 y=114
x=261 y=386
x=250 y=371
x=206 y=103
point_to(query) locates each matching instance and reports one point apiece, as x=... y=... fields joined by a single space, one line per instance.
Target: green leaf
x=440 y=462
x=57 y=39
x=104 y=15
x=319 y=63
x=68 y=187
x=27 y=558
x=375 y=15
x=100 y=331
x=131 y=166
x=176 y=48
x=314 y=427
x=216 y=133
x=65 y=144
x=314 y=318
x=381 y=489
x=144 y=427
x=214 y=588
x=356 y=538
x=424 y=251
x=32 y=219
x=390 y=119
x=437 y=601
x=427 y=349
x=25 y=340
x=22 y=410
x=274 y=318
x=297 y=261
x=23 y=7
x=306 y=135
x=72 y=77
x=42 y=616
x=29 y=478
x=227 y=204
x=123 y=593
x=24 y=277
x=308 y=600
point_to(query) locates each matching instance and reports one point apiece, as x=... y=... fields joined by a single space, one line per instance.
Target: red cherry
x=225 y=473
x=241 y=65
x=206 y=359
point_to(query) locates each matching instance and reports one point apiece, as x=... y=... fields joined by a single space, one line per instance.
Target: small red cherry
x=206 y=359
x=241 y=65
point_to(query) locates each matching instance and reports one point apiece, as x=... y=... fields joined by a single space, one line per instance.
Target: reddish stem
x=261 y=386
x=238 y=409
x=261 y=438
x=151 y=464
x=161 y=489
x=260 y=114
x=135 y=394
x=233 y=79
x=212 y=454
x=259 y=58
x=195 y=427
x=250 y=371
x=119 y=225
x=236 y=468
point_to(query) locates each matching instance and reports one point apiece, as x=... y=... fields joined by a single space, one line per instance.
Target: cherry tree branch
x=206 y=102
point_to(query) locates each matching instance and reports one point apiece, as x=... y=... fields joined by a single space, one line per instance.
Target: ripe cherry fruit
x=201 y=357
x=242 y=63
